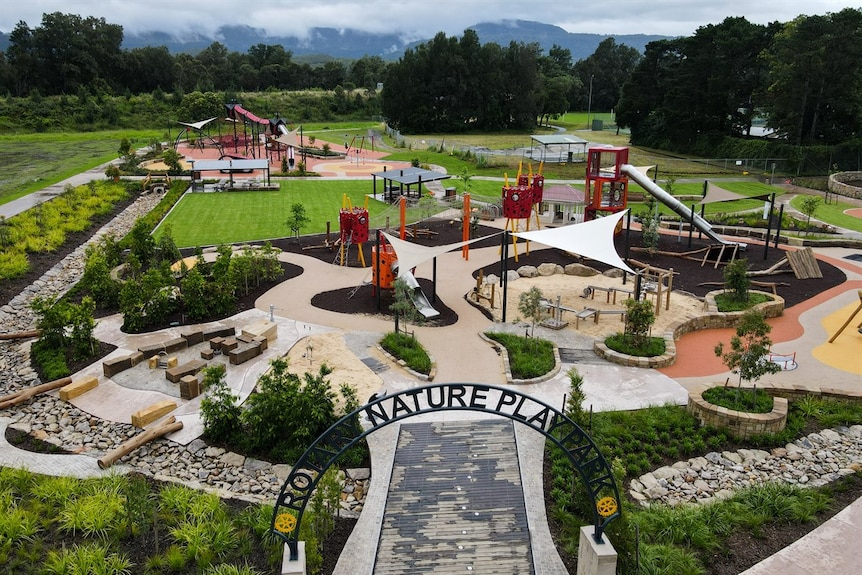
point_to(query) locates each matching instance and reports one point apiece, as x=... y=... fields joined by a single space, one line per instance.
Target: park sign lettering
x=463 y=396
x=383 y=410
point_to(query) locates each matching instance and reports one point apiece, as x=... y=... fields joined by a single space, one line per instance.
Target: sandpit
x=570 y=289
x=330 y=349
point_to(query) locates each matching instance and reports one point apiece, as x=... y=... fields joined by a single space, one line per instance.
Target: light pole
x=590 y=104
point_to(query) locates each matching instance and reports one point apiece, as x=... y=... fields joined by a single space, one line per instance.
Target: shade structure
x=411 y=255
x=593 y=239
x=289 y=139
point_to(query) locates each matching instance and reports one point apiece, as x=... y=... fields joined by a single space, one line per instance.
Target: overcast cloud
x=415 y=19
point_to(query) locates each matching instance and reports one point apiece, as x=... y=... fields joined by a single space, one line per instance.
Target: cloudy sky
x=416 y=19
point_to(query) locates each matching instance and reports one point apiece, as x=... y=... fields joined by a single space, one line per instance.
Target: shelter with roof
x=405 y=182
x=558 y=148
x=561 y=204
x=230 y=168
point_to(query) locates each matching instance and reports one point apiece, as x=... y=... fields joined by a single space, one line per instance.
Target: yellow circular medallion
x=285 y=523
x=606 y=506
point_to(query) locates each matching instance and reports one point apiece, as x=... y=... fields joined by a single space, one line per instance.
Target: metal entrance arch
x=591 y=465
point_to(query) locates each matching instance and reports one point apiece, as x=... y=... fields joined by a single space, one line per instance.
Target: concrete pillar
x=296 y=567
x=595 y=558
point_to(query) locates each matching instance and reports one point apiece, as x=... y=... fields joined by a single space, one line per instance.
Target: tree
x=575 y=401
x=530 y=304
x=297 y=219
x=220 y=408
x=639 y=320
x=402 y=306
x=809 y=206
x=812 y=92
x=748 y=348
x=736 y=279
x=609 y=67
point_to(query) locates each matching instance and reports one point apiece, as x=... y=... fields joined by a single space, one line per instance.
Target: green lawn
x=832 y=214
x=696 y=189
x=231 y=217
x=31 y=162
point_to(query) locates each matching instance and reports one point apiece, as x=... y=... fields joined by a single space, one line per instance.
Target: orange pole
x=465 y=232
x=403 y=206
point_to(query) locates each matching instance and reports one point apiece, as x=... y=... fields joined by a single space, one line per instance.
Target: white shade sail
x=411 y=255
x=593 y=239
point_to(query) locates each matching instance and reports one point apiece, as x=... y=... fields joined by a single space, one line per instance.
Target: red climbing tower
x=606 y=188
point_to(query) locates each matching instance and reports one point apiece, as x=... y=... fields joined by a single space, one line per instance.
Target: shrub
x=640 y=318
x=287 y=413
x=737 y=399
x=621 y=343
x=528 y=357
x=220 y=408
x=407 y=348
x=748 y=348
x=736 y=279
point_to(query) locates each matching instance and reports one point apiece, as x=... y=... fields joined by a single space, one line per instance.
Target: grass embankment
x=31 y=162
x=832 y=214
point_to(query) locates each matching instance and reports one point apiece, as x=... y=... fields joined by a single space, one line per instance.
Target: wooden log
x=25 y=394
x=149 y=414
x=77 y=388
x=20 y=334
x=169 y=426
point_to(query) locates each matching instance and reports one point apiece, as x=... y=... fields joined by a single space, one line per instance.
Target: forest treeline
x=694 y=94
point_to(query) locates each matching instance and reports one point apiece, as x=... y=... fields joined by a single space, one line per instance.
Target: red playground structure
x=354 y=229
x=520 y=202
x=606 y=188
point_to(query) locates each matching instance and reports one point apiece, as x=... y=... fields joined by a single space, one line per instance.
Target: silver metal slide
x=420 y=300
x=681 y=209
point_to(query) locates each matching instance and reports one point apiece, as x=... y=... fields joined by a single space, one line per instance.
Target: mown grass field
x=233 y=217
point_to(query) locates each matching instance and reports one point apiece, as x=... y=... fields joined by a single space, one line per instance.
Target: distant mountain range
x=353 y=44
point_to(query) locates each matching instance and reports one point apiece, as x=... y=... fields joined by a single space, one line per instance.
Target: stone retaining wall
x=742 y=424
x=713 y=319
x=838 y=186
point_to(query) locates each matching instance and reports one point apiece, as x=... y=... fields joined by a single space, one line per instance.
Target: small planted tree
x=649 y=226
x=809 y=207
x=640 y=318
x=575 y=401
x=748 y=348
x=736 y=279
x=530 y=304
x=297 y=219
x=403 y=307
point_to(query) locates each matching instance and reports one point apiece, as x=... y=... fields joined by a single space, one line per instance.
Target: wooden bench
x=175 y=374
x=619 y=312
x=585 y=313
x=590 y=291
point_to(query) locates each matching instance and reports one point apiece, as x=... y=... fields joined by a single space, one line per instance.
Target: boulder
x=548 y=269
x=580 y=270
x=528 y=271
x=613 y=273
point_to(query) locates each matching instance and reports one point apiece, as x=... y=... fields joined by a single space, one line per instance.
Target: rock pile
x=814 y=460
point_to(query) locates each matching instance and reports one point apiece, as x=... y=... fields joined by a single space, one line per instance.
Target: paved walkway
x=460 y=357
